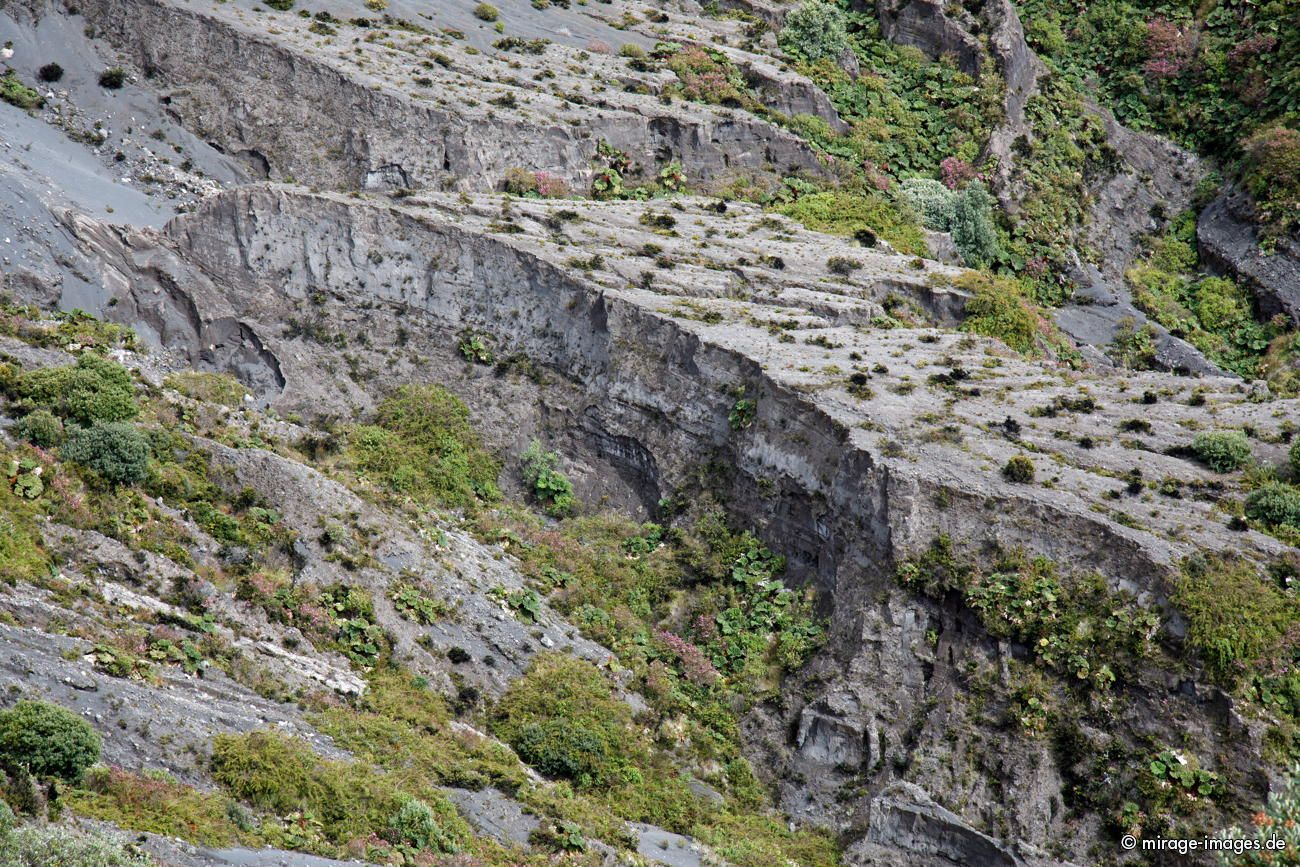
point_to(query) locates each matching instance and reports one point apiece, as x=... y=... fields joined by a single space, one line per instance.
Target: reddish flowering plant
x=956 y=172
x=695 y=665
x=1169 y=48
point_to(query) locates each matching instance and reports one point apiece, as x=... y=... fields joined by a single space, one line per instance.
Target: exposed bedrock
x=640 y=395
x=288 y=111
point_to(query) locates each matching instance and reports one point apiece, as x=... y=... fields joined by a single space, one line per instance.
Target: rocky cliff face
x=835 y=396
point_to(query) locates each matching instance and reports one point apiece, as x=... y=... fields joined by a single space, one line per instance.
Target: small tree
x=47 y=740
x=973 y=232
x=815 y=31
x=118 y=451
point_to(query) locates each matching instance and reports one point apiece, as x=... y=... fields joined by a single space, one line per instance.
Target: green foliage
x=41 y=428
x=415 y=825
x=155 y=803
x=551 y=488
x=1235 y=617
x=999 y=309
x=847 y=213
x=1073 y=625
x=422 y=446
x=94 y=389
x=1272 y=171
x=117 y=451
x=742 y=414
x=283 y=775
x=1222 y=451
x=414 y=604
x=932 y=200
x=486 y=12
x=1214 y=314
x=18 y=94
x=563 y=719
x=38 y=846
x=1174 y=780
x=475 y=346
x=1293 y=458
x=813 y=31
x=1209 y=76
x=1274 y=504
x=47 y=740
x=972 y=227
x=1019 y=469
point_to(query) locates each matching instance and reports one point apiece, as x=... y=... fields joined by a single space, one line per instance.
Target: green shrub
x=112 y=78
x=1222 y=451
x=41 y=428
x=18 y=94
x=422 y=445
x=815 y=31
x=1294 y=459
x=934 y=202
x=47 y=740
x=46 y=846
x=275 y=772
x=845 y=213
x=548 y=484
x=562 y=718
x=998 y=309
x=279 y=5
x=1234 y=616
x=117 y=451
x=50 y=73
x=486 y=12
x=94 y=389
x=415 y=825
x=1274 y=504
x=973 y=232
x=1019 y=469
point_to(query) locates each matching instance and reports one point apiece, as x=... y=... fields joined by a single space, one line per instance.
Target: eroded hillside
x=542 y=433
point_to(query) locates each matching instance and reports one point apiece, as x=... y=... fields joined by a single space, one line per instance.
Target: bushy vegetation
x=18 y=94
x=349 y=800
x=1072 y=625
x=972 y=228
x=1208 y=76
x=1279 y=818
x=220 y=388
x=1238 y=623
x=41 y=428
x=563 y=719
x=1222 y=451
x=47 y=740
x=117 y=451
x=850 y=213
x=1019 y=469
x=422 y=445
x=998 y=308
x=815 y=30
x=36 y=846
x=94 y=389
x=547 y=484
x=1214 y=314
x=1275 y=504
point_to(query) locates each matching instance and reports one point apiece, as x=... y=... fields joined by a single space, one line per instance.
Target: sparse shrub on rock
x=1019 y=469
x=1275 y=504
x=1222 y=451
